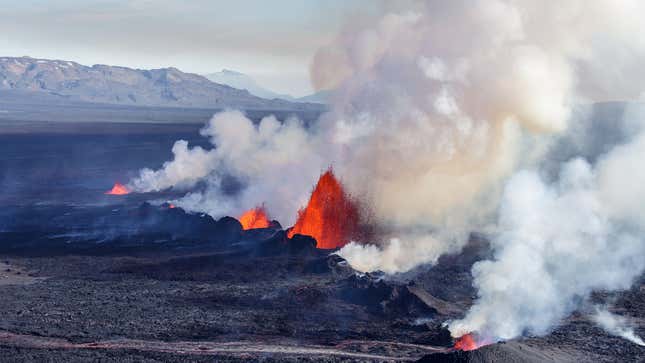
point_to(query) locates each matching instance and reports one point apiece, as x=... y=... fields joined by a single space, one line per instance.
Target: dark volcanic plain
x=88 y=277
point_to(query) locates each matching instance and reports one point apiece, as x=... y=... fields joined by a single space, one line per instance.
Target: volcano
x=118 y=189
x=331 y=216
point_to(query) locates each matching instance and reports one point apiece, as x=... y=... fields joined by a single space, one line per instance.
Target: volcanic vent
x=331 y=216
x=118 y=189
x=254 y=218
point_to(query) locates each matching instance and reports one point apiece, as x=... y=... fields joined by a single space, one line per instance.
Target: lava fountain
x=254 y=218
x=118 y=189
x=469 y=342
x=331 y=217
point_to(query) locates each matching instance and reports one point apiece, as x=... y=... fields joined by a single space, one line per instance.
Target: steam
x=438 y=147
x=451 y=118
x=438 y=125
x=559 y=242
x=271 y=163
x=395 y=257
x=616 y=325
x=187 y=168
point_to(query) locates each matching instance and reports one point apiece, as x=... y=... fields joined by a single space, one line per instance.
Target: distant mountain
x=242 y=81
x=323 y=96
x=125 y=86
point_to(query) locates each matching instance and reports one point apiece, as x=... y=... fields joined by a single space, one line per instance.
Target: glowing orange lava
x=171 y=206
x=330 y=217
x=254 y=218
x=118 y=189
x=468 y=342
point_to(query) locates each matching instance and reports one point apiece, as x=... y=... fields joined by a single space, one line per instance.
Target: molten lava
x=254 y=218
x=330 y=217
x=118 y=189
x=466 y=342
x=469 y=342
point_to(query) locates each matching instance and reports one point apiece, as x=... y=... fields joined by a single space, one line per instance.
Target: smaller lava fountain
x=330 y=217
x=254 y=218
x=468 y=342
x=118 y=189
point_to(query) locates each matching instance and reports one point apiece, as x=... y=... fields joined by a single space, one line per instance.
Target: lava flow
x=118 y=189
x=468 y=342
x=254 y=218
x=330 y=217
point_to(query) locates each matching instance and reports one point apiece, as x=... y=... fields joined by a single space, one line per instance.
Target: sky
x=272 y=41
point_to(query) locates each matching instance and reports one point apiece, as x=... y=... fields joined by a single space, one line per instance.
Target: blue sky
x=273 y=41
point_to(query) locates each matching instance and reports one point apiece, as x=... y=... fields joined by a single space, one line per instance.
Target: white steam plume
x=437 y=108
x=616 y=325
x=395 y=256
x=188 y=167
x=273 y=162
x=558 y=243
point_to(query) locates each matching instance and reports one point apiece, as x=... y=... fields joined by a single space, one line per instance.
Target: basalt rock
x=382 y=297
x=279 y=243
x=330 y=263
x=176 y=223
x=299 y=244
x=229 y=230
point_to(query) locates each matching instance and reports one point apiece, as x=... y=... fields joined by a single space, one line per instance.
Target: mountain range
x=165 y=87
x=242 y=81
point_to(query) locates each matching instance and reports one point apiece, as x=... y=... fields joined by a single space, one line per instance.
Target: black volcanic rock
x=330 y=263
x=167 y=87
x=175 y=223
x=274 y=245
x=381 y=296
x=228 y=230
x=301 y=244
x=279 y=243
x=275 y=224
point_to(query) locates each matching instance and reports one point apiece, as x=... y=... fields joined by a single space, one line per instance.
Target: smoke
x=616 y=325
x=435 y=110
x=187 y=168
x=559 y=242
x=438 y=108
x=394 y=256
x=271 y=163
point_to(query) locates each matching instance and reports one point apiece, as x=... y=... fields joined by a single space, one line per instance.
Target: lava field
x=138 y=282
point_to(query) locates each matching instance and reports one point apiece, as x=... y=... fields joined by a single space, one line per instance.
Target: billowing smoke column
x=439 y=107
x=557 y=243
x=272 y=163
x=445 y=116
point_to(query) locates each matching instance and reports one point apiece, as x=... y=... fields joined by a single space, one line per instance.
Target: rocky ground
x=254 y=296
